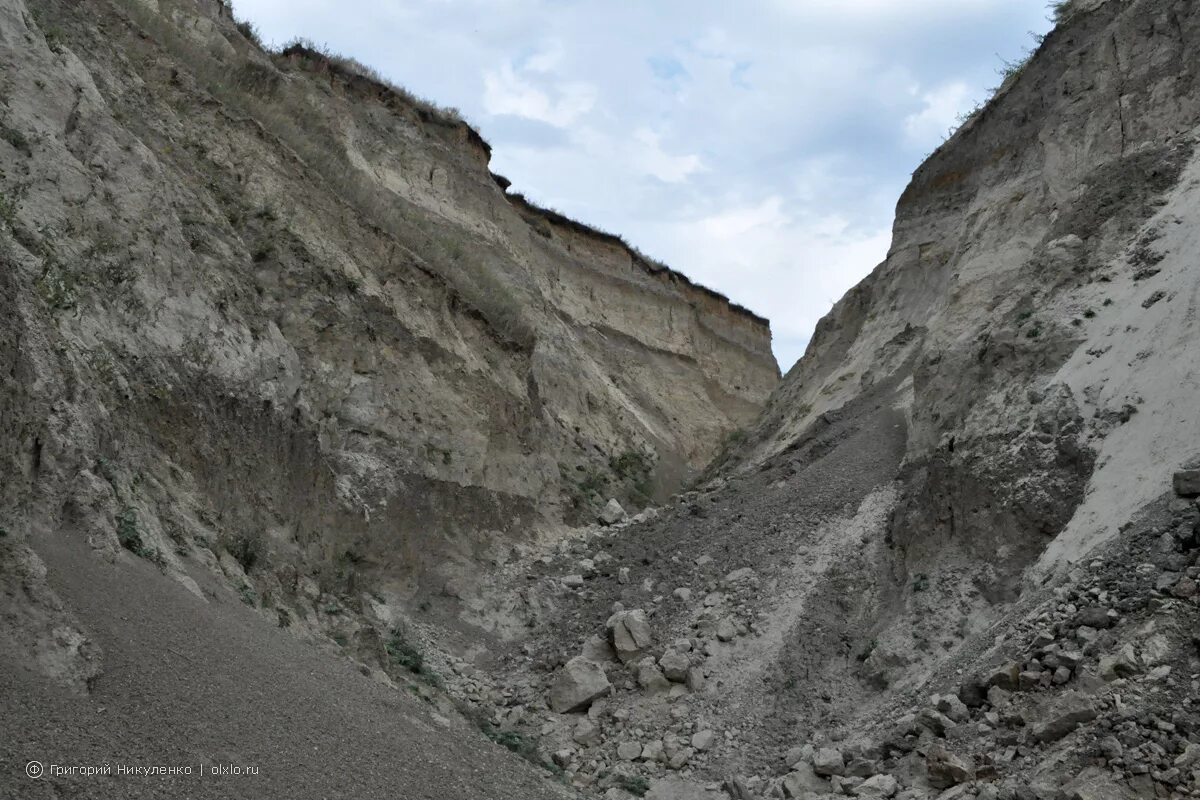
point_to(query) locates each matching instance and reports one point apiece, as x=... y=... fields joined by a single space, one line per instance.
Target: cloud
x=942 y=106
x=507 y=92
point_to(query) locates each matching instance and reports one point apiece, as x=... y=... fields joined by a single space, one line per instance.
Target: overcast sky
x=759 y=146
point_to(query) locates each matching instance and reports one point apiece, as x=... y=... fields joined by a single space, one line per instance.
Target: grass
x=403 y=653
x=130 y=537
x=1061 y=11
x=634 y=784
x=247 y=594
x=920 y=582
x=248 y=549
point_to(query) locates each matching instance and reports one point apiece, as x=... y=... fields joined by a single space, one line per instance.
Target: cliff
x=279 y=302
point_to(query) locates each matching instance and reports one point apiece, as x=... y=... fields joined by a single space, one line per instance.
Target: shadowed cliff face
x=264 y=302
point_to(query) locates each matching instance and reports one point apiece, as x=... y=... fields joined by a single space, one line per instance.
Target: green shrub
x=130 y=537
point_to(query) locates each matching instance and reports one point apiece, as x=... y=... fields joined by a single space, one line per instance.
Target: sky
x=758 y=147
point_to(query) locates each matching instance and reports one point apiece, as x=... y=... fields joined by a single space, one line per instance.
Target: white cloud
x=506 y=92
x=652 y=159
x=942 y=106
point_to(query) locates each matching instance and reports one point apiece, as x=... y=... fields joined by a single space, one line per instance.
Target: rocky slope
x=274 y=328
x=278 y=332
x=956 y=555
x=270 y=315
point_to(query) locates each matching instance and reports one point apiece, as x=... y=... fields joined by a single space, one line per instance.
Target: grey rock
x=1121 y=664
x=674 y=666
x=1186 y=483
x=803 y=781
x=650 y=677
x=630 y=634
x=953 y=707
x=681 y=789
x=612 y=513
x=877 y=786
x=1063 y=715
x=1093 y=617
x=828 y=761
x=629 y=751
x=947 y=769
x=703 y=740
x=578 y=684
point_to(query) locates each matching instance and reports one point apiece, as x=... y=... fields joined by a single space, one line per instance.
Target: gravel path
x=187 y=683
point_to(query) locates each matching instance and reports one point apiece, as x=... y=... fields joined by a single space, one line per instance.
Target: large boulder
x=578 y=684
x=630 y=634
x=612 y=513
x=947 y=769
x=829 y=761
x=1062 y=716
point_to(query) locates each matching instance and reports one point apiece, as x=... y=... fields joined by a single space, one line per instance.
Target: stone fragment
x=681 y=789
x=1005 y=677
x=1187 y=483
x=937 y=722
x=726 y=630
x=1185 y=588
x=653 y=751
x=703 y=740
x=631 y=635
x=674 y=666
x=803 y=781
x=612 y=513
x=1063 y=715
x=650 y=677
x=694 y=679
x=952 y=707
x=877 y=786
x=628 y=751
x=578 y=684
x=623 y=575
x=1093 y=617
x=947 y=769
x=586 y=733
x=1121 y=664
x=737 y=576
x=828 y=761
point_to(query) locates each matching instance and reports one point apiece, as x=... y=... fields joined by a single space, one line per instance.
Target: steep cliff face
x=1025 y=251
x=269 y=306
x=964 y=490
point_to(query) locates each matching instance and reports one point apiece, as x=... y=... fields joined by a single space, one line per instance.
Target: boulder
x=674 y=666
x=877 y=786
x=803 y=782
x=1187 y=483
x=586 y=733
x=1004 y=676
x=952 y=707
x=1063 y=715
x=612 y=513
x=650 y=677
x=702 y=740
x=1120 y=664
x=578 y=684
x=629 y=751
x=1093 y=617
x=947 y=769
x=828 y=761
x=726 y=630
x=630 y=634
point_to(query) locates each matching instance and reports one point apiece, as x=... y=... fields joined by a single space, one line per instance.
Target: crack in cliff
x=1120 y=90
